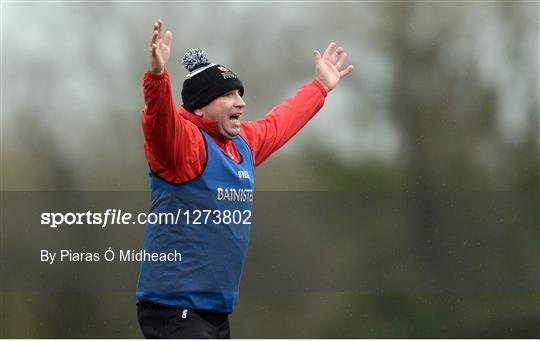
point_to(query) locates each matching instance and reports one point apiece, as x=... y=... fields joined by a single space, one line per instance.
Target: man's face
x=226 y=111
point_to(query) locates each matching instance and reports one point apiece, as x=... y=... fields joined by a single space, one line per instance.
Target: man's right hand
x=160 y=49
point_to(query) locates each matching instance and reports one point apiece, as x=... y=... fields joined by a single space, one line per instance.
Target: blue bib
x=206 y=220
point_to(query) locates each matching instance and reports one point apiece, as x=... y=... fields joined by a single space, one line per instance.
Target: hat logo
x=226 y=73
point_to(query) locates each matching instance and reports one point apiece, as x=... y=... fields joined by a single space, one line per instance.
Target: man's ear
x=198 y=112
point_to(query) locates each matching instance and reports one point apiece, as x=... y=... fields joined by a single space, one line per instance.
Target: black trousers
x=160 y=322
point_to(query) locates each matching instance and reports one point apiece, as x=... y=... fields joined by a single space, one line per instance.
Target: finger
x=154 y=29
x=334 y=57
x=316 y=56
x=168 y=38
x=159 y=36
x=154 y=38
x=154 y=50
x=160 y=23
x=329 y=50
x=346 y=71
x=341 y=60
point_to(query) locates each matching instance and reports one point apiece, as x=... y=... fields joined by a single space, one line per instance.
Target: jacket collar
x=209 y=126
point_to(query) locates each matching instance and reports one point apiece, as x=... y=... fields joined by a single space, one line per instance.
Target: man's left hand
x=327 y=66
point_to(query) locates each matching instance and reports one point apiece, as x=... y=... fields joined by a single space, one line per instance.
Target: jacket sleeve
x=267 y=135
x=172 y=143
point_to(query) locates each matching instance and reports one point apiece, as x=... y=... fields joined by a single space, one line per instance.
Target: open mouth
x=234 y=117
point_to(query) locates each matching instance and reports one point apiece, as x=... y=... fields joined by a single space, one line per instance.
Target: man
x=202 y=160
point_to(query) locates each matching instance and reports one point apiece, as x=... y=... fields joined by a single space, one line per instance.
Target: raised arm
x=160 y=49
x=167 y=135
x=267 y=135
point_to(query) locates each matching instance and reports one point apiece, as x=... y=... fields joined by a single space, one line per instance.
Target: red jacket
x=175 y=148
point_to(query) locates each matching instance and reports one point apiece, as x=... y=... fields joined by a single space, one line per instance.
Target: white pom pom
x=194 y=58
